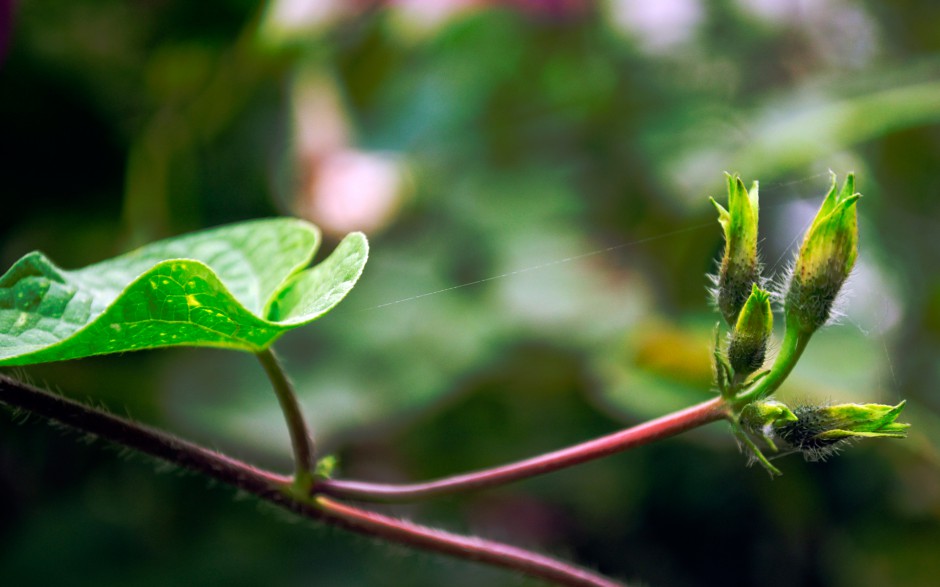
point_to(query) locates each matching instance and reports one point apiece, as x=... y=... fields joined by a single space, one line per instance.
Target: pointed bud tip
x=848 y=188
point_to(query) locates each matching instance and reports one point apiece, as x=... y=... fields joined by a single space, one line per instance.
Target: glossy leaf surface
x=239 y=286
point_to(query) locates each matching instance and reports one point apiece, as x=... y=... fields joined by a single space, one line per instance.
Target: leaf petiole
x=301 y=440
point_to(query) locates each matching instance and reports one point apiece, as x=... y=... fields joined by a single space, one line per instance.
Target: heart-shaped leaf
x=239 y=286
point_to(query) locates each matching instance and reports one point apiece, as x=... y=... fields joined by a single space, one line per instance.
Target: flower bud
x=819 y=431
x=739 y=265
x=751 y=333
x=826 y=257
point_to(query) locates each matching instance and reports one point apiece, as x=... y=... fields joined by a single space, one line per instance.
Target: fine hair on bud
x=817 y=304
x=803 y=435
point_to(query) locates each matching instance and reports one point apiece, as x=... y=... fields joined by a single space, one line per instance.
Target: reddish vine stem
x=464 y=547
x=666 y=426
x=277 y=488
x=137 y=436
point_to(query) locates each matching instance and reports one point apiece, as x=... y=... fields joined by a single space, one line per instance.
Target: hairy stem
x=277 y=489
x=464 y=547
x=300 y=438
x=794 y=343
x=645 y=433
x=139 y=437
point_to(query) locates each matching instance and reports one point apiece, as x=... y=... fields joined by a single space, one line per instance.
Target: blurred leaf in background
x=533 y=177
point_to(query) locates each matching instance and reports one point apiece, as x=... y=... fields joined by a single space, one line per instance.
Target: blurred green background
x=542 y=168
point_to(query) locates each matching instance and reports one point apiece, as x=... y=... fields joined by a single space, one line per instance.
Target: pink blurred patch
x=354 y=190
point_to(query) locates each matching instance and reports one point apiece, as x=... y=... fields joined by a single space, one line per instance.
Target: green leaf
x=239 y=286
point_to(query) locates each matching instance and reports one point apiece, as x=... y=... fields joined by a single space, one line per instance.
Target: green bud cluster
x=825 y=259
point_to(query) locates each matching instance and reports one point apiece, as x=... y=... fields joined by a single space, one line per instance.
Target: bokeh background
x=533 y=176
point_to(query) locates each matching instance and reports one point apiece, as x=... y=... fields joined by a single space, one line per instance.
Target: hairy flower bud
x=819 y=431
x=739 y=265
x=751 y=333
x=826 y=257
